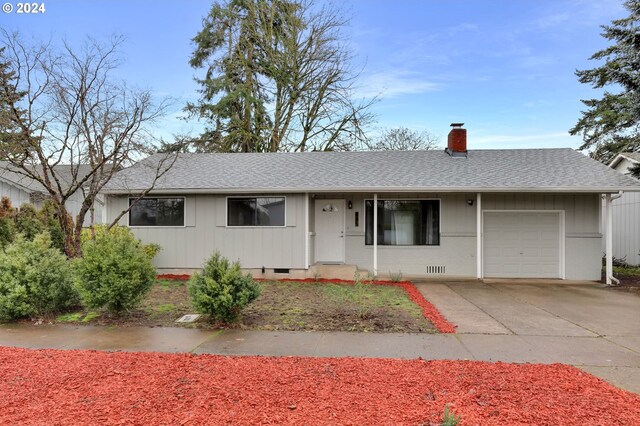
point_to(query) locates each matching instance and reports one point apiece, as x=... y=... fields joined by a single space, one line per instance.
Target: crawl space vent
x=280 y=270
x=435 y=269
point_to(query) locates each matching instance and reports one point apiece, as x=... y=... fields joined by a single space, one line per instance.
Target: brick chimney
x=457 y=140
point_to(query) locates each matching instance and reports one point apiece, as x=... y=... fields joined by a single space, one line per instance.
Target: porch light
x=349 y=205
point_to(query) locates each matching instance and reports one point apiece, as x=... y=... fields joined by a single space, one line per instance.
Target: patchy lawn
x=88 y=387
x=328 y=306
x=283 y=306
x=167 y=301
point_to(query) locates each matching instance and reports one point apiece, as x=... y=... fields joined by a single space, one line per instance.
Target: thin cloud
x=388 y=84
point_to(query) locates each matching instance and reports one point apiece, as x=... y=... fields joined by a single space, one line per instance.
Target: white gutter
x=351 y=190
x=609 y=278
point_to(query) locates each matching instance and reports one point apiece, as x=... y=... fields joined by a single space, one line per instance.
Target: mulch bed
x=87 y=387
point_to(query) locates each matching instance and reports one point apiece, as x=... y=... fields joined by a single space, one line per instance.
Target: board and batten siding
x=626 y=227
x=457 y=249
x=205 y=231
x=17 y=195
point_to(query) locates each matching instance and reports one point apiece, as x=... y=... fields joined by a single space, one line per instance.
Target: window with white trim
x=157 y=212
x=404 y=222
x=256 y=211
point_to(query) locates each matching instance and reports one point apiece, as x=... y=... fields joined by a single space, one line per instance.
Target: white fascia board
x=594 y=189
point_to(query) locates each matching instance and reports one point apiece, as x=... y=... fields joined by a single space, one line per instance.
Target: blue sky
x=504 y=67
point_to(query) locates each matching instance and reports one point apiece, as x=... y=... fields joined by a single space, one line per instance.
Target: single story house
x=626 y=214
x=513 y=213
x=21 y=189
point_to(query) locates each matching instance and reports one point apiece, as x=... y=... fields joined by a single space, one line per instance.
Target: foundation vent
x=280 y=270
x=435 y=269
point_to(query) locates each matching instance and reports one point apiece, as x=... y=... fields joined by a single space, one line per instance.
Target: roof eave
x=596 y=190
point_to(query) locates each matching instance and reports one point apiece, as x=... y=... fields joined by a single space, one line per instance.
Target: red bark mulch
x=176 y=277
x=87 y=387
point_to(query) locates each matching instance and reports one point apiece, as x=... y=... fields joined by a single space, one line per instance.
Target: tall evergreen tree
x=611 y=124
x=277 y=78
x=10 y=96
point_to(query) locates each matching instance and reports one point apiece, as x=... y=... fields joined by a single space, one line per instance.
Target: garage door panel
x=521 y=244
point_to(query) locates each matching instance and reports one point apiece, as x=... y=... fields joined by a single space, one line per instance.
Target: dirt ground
x=281 y=306
x=335 y=307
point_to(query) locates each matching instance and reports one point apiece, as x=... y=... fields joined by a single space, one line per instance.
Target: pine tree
x=277 y=77
x=11 y=134
x=612 y=124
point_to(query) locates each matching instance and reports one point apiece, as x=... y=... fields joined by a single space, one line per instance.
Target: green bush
x=35 y=279
x=7 y=225
x=27 y=221
x=114 y=273
x=220 y=290
x=48 y=216
x=151 y=249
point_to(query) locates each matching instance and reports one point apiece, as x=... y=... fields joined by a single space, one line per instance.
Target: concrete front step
x=335 y=271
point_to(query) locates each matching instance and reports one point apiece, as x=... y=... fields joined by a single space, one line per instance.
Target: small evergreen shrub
x=35 y=279
x=220 y=290
x=48 y=216
x=7 y=225
x=99 y=231
x=114 y=273
x=27 y=221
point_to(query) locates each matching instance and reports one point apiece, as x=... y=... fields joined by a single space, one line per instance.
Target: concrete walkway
x=584 y=325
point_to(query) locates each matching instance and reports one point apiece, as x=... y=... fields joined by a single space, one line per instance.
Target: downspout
x=479 y=236
x=609 y=239
x=375 y=234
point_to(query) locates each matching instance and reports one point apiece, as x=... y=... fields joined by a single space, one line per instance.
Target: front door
x=329 y=224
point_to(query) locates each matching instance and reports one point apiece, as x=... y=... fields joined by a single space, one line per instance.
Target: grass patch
x=81 y=316
x=334 y=307
x=281 y=306
x=628 y=271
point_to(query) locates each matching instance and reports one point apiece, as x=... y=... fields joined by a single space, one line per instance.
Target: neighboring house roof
x=64 y=172
x=534 y=170
x=634 y=157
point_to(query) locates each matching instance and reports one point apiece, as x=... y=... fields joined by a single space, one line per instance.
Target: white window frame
x=364 y=211
x=226 y=212
x=184 y=212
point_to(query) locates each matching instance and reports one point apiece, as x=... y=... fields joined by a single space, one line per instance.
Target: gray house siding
x=626 y=221
x=457 y=250
x=626 y=227
x=205 y=231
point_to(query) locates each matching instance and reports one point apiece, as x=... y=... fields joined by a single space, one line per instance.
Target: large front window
x=157 y=212
x=404 y=222
x=255 y=211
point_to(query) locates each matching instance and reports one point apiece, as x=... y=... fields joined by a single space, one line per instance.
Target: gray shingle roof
x=484 y=170
x=66 y=173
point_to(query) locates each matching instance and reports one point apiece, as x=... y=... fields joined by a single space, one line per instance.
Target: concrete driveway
x=584 y=324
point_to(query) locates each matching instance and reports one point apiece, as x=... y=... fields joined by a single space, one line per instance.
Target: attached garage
x=523 y=244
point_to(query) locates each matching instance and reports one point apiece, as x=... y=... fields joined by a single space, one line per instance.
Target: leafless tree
x=404 y=139
x=77 y=125
x=279 y=77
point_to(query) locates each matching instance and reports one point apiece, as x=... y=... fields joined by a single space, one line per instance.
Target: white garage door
x=522 y=245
